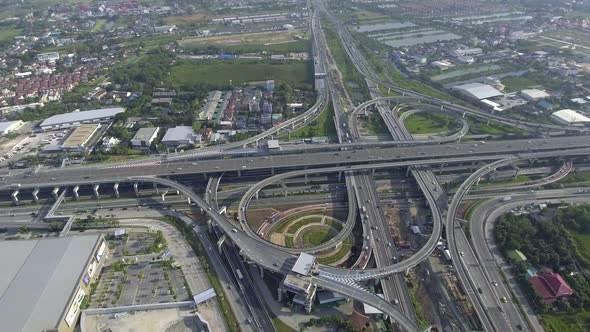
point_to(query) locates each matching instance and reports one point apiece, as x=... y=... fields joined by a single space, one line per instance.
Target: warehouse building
x=72 y=119
x=534 y=94
x=44 y=281
x=144 y=137
x=569 y=117
x=81 y=138
x=478 y=91
x=10 y=126
x=179 y=135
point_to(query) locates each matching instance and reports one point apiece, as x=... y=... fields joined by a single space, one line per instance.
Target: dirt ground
x=169 y=320
x=266 y=38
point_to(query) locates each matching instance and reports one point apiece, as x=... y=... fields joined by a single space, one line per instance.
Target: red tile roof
x=550 y=286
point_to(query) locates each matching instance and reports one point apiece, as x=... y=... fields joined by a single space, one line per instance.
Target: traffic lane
x=484 y=290
x=322 y=158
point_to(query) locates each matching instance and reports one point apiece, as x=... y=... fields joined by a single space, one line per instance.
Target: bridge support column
x=75 y=192
x=388 y=90
x=188 y=200
x=256 y=194
x=373 y=172
x=280 y=293
x=272 y=171
x=463 y=116
x=163 y=195
x=239 y=173
x=36 y=195
x=156 y=188
x=220 y=243
x=95 y=189
x=407 y=172
x=14 y=196
x=339 y=176
x=477 y=183
x=292 y=127
x=116 y=189
x=136 y=189
x=209 y=226
x=261 y=271
x=55 y=192
x=305 y=179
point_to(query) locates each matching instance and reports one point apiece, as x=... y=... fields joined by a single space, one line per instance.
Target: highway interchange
x=355 y=160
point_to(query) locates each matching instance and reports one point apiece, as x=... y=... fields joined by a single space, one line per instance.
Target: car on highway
x=462 y=254
x=504 y=299
x=495 y=283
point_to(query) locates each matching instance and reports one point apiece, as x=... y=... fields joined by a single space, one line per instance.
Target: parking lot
x=139 y=283
x=132 y=244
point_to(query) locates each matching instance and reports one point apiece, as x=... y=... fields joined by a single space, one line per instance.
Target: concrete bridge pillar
x=220 y=243
x=463 y=116
x=14 y=196
x=116 y=189
x=339 y=176
x=292 y=127
x=36 y=195
x=261 y=271
x=136 y=189
x=55 y=192
x=388 y=90
x=407 y=171
x=156 y=188
x=205 y=176
x=305 y=179
x=95 y=190
x=477 y=183
x=188 y=200
x=256 y=194
x=75 y=191
x=239 y=173
x=163 y=195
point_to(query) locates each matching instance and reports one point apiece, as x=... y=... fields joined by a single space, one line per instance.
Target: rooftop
x=81 y=116
x=179 y=133
x=534 y=94
x=303 y=264
x=145 y=134
x=10 y=125
x=570 y=116
x=478 y=90
x=80 y=135
x=38 y=278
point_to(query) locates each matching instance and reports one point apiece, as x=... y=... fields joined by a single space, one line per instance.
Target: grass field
x=99 y=25
x=265 y=38
x=323 y=125
x=517 y=83
x=582 y=245
x=576 y=178
x=480 y=128
x=7 y=34
x=428 y=123
x=298 y=74
x=316 y=236
x=567 y=322
x=303 y=45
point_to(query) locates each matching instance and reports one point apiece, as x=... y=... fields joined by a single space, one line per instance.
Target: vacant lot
x=220 y=72
x=264 y=38
x=567 y=322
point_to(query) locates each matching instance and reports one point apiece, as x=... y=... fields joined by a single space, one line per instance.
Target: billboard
x=75 y=307
x=100 y=251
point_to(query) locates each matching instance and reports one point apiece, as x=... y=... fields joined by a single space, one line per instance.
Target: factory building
x=73 y=119
x=569 y=117
x=478 y=91
x=144 y=137
x=44 y=281
x=179 y=136
x=81 y=138
x=10 y=126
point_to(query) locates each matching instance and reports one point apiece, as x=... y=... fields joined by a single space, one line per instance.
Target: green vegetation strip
x=579 y=322
x=305 y=221
x=187 y=232
x=323 y=125
x=280 y=326
x=422 y=323
x=343 y=250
